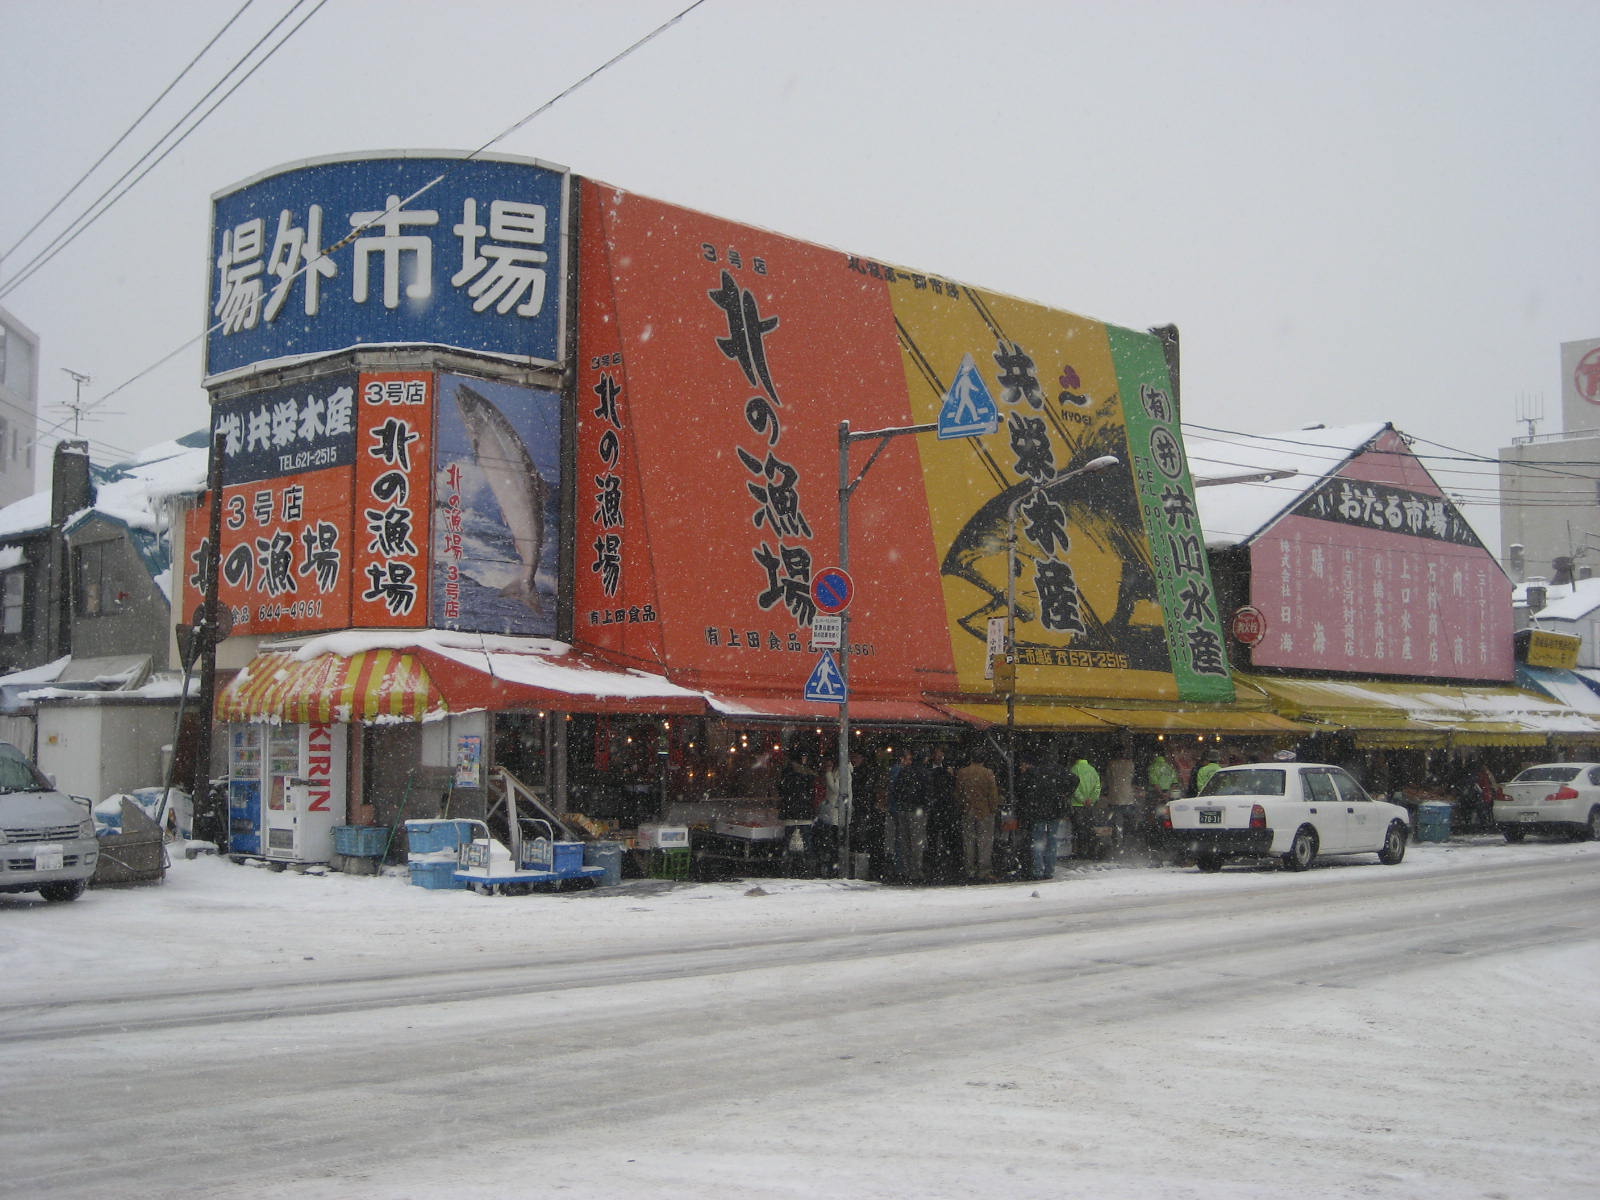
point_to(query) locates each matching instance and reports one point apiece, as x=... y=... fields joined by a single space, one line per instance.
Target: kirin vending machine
x=286 y=790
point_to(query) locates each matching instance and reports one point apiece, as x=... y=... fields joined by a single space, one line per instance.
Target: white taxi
x=1291 y=811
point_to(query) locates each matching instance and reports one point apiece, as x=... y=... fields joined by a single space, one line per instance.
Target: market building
x=526 y=475
x=1364 y=606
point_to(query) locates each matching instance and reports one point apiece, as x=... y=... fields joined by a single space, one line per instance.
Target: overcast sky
x=1353 y=211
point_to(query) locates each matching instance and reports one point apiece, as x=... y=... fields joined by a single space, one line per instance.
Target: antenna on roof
x=1530 y=410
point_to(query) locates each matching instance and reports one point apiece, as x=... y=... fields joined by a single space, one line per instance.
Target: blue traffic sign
x=826 y=684
x=968 y=409
x=832 y=589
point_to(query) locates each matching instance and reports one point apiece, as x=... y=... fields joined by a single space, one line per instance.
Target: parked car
x=47 y=838
x=1286 y=810
x=1562 y=798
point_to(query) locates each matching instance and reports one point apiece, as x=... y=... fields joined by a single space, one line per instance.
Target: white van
x=47 y=841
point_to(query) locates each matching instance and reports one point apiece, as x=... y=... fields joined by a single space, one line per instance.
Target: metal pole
x=844 y=792
x=1011 y=650
x=211 y=817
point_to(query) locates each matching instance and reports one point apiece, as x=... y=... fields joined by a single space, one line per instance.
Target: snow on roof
x=537 y=662
x=132 y=492
x=1563 y=601
x=31 y=514
x=1233 y=512
x=135 y=491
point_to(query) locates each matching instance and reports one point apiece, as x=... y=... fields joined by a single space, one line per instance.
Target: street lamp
x=1094 y=466
x=844 y=797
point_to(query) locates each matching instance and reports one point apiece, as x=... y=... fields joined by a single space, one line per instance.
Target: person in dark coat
x=943 y=861
x=908 y=814
x=1044 y=793
x=867 y=810
x=797 y=806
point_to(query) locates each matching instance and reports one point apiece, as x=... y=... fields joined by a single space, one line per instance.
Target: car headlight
x=86 y=828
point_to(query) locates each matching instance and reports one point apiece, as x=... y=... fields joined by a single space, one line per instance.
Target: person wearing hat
x=1210 y=767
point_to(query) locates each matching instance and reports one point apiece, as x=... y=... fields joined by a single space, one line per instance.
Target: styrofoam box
x=663 y=837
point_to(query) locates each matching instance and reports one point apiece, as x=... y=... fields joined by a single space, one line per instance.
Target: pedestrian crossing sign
x=968 y=410
x=826 y=684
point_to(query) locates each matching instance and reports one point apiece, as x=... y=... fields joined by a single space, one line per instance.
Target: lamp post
x=1093 y=466
x=844 y=797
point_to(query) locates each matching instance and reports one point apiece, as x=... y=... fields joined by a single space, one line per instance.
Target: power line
x=94 y=213
x=312 y=260
x=50 y=212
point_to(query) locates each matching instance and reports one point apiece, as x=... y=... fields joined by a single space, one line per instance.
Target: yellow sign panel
x=1005 y=673
x=1086 y=600
x=1556 y=650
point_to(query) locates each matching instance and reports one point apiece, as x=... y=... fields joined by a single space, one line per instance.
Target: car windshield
x=17 y=774
x=1556 y=773
x=1263 y=781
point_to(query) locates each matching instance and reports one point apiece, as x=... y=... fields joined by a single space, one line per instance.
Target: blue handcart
x=532 y=863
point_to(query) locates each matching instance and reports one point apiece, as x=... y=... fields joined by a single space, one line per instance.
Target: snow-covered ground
x=1409 y=1085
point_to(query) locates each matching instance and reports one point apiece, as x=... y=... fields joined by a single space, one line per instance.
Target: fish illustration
x=518 y=487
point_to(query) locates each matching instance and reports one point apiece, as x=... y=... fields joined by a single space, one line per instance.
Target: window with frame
x=98 y=586
x=13 y=600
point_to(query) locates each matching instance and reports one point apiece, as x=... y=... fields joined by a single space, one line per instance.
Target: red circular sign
x=832 y=589
x=1249 y=625
x=1586 y=376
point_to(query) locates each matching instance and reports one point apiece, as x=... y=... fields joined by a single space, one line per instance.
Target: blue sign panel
x=826 y=684
x=288 y=430
x=968 y=410
x=372 y=251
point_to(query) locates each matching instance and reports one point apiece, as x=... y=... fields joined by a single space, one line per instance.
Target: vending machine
x=286 y=790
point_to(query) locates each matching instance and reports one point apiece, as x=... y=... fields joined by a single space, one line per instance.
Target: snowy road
x=1204 y=1036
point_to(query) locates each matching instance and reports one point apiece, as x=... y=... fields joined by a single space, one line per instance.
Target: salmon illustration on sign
x=495 y=503
x=516 y=483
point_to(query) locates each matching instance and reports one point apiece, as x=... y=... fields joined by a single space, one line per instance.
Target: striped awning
x=370 y=685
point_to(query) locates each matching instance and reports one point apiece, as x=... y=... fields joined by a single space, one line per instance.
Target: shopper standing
x=908 y=813
x=942 y=862
x=1044 y=792
x=1084 y=798
x=979 y=794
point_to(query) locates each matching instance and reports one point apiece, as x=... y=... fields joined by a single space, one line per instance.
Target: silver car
x=1560 y=798
x=47 y=839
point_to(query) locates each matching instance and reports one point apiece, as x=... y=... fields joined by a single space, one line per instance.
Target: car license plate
x=1529 y=816
x=49 y=858
x=1209 y=816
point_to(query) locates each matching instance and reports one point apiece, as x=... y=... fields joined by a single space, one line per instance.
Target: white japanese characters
x=502 y=264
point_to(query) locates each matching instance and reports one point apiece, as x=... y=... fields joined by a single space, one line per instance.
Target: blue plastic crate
x=429 y=837
x=562 y=858
x=360 y=841
x=437 y=876
x=607 y=856
x=568 y=856
x=1433 y=822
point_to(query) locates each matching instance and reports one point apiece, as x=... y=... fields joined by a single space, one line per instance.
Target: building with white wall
x=19 y=407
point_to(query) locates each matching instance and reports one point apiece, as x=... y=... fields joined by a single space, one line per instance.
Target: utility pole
x=210 y=813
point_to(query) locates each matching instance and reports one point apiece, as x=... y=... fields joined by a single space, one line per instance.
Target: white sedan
x=1286 y=810
x=1561 y=798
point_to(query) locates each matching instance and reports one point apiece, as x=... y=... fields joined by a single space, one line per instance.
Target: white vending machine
x=286 y=790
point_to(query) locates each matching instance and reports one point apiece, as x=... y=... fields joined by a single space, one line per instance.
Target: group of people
x=938 y=812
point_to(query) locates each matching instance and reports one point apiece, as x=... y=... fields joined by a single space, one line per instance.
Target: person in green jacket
x=1163 y=777
x=1210 y=767
x=1086 y=795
